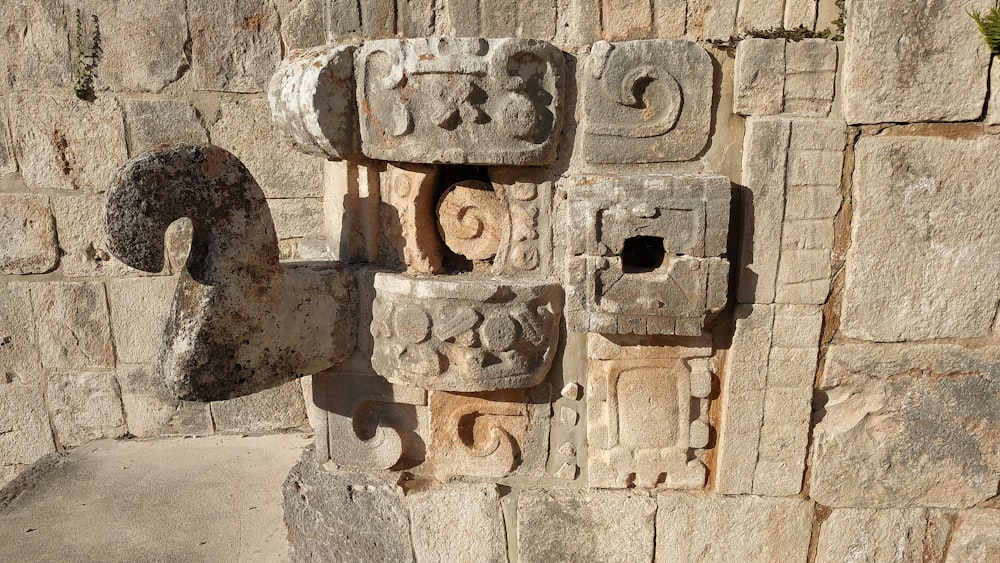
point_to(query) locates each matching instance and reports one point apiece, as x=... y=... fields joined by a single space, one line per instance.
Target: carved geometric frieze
x=407 y=238
x=646 y=101
x=526 y=237
x=460 y=334
x=647 y=415
x=646 y=253
x=489 y=435
x=460 y=100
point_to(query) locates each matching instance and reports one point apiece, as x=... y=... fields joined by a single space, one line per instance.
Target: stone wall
x=844 y=405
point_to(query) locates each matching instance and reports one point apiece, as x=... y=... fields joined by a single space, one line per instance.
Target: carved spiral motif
x=470 y=218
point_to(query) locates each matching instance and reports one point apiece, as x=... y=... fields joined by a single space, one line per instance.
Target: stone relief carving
x=470 y=218
x=460 y=100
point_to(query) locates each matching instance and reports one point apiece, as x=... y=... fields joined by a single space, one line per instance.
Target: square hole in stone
x=642 y=254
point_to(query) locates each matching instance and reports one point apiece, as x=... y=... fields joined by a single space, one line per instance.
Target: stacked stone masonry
x=585 y=280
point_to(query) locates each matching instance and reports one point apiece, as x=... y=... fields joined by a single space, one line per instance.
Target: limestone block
x=380 y=18
x=18 y=343
x=312 y=101
x=83 y=241
x=670 y=122
x=693 y=528
x=775 y=76
x=351 y=205
x=139 y=312
x=154 y=124
x=84 y=406
x=27 y=235
x=241 y=322
x=584 y=526
x=235 y=44
x=25 y=434
x=810 y=76
x=489 y=435
x=244 y=128
x=371 y=423
x=763 y=14
x=504 y=18
x=992 y=119
x=8 y=163
x=800 y=13
x=150 y=410
x=304 y=25
x=883 y=535
x=919 y=62
x=464 y=334
x=66 y=143
x=470 y=218
x=907 y=425
x=976 y=537
x=335 y=516
x=34 y=51
x=711 y=19
x=73 y=326
x=917 y=269
x=759 y=77
x=458 y=523
x=407 y=230
x=278 y=408
x=460 y=101
x=141 y=43
x=296 y=218
x=526 y=237
x=645 y=253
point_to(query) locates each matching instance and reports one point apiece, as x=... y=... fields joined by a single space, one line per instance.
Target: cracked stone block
x=278 y=408
x=139 y=311
x=66 y=143
x=34 y=46
x=920 y=62
x=775 y=76
x=907 y=425
x=503 y=18
x=84 y=406
x=883 y=535
x=83 y=240
x=73 y=325
x=244 y=128
x=587 y=526
x=670 y=123
x=921 y=261
x=25 y=434
x=458 y=523
x=235 y=44
x=460 y=101
x=27 y=235
x=151 y=410
x=18 y=343
x=692 y=528
x=154 y=124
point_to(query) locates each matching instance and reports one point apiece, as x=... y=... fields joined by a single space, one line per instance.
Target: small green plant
x=834 y=33
x=989 y=26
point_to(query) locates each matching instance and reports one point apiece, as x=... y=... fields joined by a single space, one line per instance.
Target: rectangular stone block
x=711 y=19
x=504 y=18
x=66 y=143
x=921 y=261
x=458 y=523
x=800 y=13
x=150 y=410
x=304 y=24
x=34 y=46
x=810 y=75
x=924 y=63
x=466 y=101
x=669 y=18
x=8 y=163
x=73 y=325
x=351 y=204
x=27 y=235
x=976 y=536
x=156 y=124
x=83 y=239
x=907 y=425
x=761 y=15
x=84 y=406
x=19 y=351
x=139 y=312
x=235 y=44
x=297 y=218
x=621 y=19
x=279 y=408
x=588 y=526
x=883 y=535
x=25 y=434
x=692 y=528
x=759 y=77
x=670 y=123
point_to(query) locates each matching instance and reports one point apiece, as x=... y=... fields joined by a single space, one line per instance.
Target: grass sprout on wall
x=989 y=26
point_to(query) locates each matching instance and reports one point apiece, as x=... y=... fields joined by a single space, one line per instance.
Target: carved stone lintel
x=460 y=334
x=460 y=100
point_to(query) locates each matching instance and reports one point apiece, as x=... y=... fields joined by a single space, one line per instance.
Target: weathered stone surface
x=976 y=537
x=775 y=76
x=27 y=235
x=711 y=19
x=759 y=77
x=466 y=100
x=800 y=13
x=464 y=334
x=34 y=46
x=627 y=446
x=992 y=118
x=335 y=516
x=73 y=326
x=240 y=322
x=304 y=25
x=8 y=163
x=154 y=124
x=917 y=269
x=84 y=406
x=407 y=234
x=671 y=119
x=585 y=526
x=244 y=128
x=296 y=218
x=693 y=528
x=83 y=241
x=458 y=523
x=503 y=18
x=279 y=408
x=139 y=312
x=907 y=425
x=762 y=14
x=645 y=253
x=25 y=435
x=369 y=422
x=18 y=343
x=66 y=143
x=919 y=61
x=312 y=101
x=883 y=535
x=526 y=245
x=810 y=75
x=150 y=409
x=235 y=44
x=351 y=205
x=141 y=43
x=470 y=219
x=489 y=435
x=380 y=18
